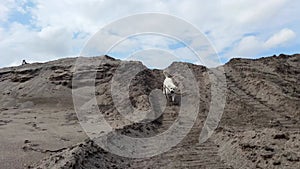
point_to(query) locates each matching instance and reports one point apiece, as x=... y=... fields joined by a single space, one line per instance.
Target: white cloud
x=234 y=27
x=249 y=46
x=3 y=12
x=280 y=38
x=1 y=33
x=228 y=21
x=155 y=58
x=143 y=41
x=6 y=7
x=251 y=12
x=22 y=43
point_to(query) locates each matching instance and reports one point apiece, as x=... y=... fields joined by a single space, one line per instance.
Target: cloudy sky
x=39 y=30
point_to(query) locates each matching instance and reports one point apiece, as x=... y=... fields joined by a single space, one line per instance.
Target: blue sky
x=41 y=30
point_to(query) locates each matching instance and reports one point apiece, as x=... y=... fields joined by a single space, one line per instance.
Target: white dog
x=169 y=87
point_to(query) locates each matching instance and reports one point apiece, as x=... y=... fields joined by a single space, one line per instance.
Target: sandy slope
x=259 y=128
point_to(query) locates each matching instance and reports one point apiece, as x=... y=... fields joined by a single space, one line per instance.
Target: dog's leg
x=173 y=97
x=165 y=92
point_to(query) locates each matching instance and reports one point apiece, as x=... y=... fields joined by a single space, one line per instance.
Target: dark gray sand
x=260 y=126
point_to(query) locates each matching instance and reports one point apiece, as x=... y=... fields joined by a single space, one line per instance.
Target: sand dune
x=260 y=126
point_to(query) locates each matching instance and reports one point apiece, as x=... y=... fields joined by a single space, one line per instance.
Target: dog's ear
x=167 y=75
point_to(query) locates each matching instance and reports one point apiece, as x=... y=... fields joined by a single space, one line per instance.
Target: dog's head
x=172 y=89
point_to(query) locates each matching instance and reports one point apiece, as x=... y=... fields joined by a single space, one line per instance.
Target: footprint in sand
x=35 y=126
x=4 y=122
